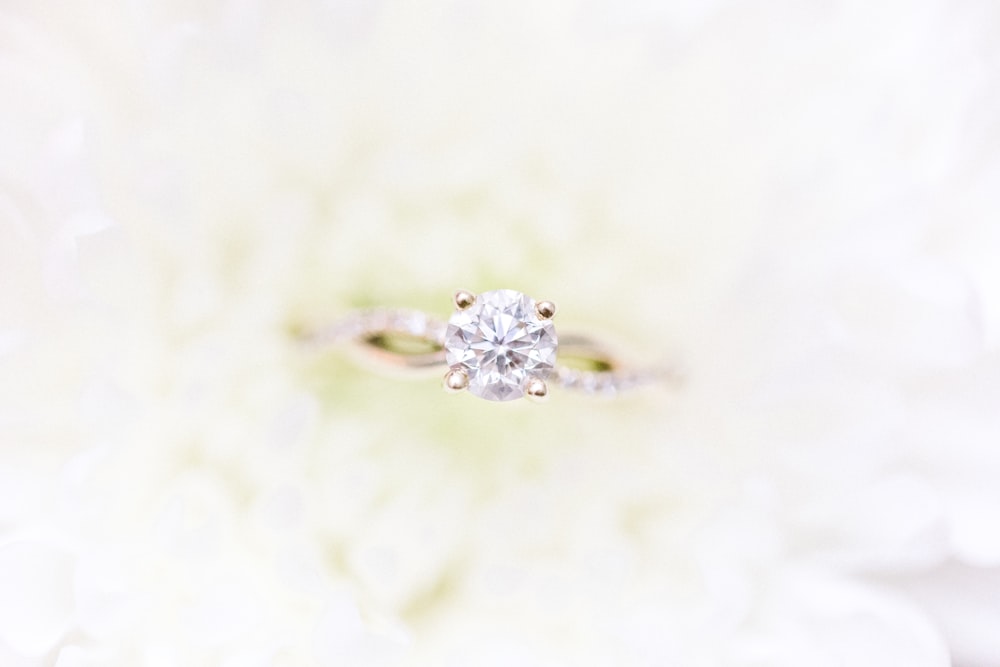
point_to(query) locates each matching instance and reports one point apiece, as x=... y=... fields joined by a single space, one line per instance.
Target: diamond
x=501 y=344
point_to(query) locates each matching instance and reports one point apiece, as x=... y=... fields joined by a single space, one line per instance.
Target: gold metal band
x=410 y=340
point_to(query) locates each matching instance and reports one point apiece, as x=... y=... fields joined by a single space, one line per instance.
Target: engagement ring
x=498 y=345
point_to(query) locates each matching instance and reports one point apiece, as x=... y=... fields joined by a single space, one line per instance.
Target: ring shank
x=411 y=340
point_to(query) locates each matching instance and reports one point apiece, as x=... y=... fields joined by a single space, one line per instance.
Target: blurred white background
x=797 y=201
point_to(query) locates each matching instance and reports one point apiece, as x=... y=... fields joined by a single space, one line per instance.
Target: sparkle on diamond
x=501 y=343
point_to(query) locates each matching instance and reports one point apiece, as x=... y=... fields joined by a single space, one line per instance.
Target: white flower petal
x=36 y=596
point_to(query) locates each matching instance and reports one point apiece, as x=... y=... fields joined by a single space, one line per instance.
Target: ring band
x=499 y=345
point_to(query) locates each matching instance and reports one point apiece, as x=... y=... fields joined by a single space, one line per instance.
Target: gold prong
x=536 y=390
x=545 y=310
x=455 y=380
x=463 y=299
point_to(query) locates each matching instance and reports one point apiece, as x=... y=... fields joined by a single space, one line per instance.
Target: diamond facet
x=501 y=344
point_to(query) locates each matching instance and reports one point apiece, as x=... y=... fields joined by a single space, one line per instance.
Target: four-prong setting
x=463 y=299
x=456 y=380
x=545 y=310
x=502 y=342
